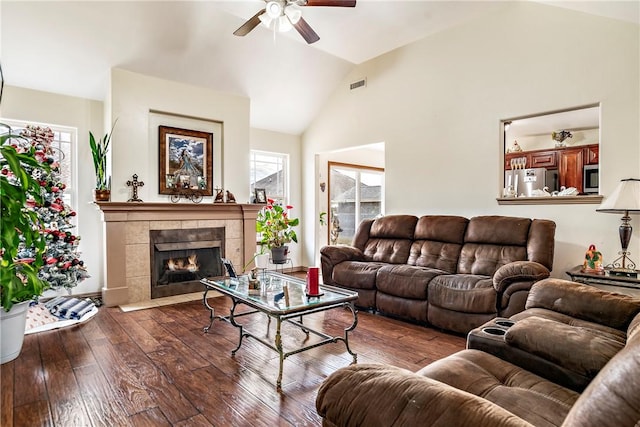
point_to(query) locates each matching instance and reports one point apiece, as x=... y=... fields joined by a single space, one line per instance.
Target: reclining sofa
x=449 y=271
x=579 y=328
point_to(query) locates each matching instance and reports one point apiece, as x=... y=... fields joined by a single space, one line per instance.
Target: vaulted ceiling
x=68 y=47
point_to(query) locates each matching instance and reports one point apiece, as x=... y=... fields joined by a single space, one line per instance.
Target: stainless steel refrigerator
x=525 y=181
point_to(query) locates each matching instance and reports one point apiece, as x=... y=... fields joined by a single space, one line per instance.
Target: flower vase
x=279 y=254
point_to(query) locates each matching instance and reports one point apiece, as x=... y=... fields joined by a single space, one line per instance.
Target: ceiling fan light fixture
x=274 y=9
x=293 y=12
x=266 y=20
x=283 y=24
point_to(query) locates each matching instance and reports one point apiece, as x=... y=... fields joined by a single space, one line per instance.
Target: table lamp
x=625 y=200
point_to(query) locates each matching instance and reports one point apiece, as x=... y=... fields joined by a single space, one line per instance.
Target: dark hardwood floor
x=156 y=367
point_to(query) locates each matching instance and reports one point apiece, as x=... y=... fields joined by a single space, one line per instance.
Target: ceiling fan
x=283 y=15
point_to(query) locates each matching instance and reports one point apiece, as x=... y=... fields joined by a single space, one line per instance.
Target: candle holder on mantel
x=135 y=184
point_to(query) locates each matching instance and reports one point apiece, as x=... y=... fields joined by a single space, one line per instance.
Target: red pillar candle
x=312 y=281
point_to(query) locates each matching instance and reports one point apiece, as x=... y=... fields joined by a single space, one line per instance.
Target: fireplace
x=127 y=238
x=181 y=257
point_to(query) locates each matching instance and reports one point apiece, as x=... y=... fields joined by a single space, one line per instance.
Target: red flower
x=289 y=207
x=270 y=201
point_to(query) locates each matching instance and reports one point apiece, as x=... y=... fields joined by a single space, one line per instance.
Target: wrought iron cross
x=135 y=184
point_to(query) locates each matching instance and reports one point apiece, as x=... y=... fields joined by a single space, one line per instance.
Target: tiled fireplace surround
x=126 y=229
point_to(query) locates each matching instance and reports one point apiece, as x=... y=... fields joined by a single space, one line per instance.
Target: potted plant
x=99 y=150
x=276 y=229
x=19 y=229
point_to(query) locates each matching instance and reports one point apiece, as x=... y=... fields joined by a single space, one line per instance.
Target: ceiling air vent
x=358 y=84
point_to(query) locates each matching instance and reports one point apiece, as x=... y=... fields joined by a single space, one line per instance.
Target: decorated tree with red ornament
x=62 y=267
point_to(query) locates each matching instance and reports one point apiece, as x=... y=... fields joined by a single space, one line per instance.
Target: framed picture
x=261 y=195
x=185 y=160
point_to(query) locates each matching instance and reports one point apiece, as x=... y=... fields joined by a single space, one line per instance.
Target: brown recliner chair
x=474 y=388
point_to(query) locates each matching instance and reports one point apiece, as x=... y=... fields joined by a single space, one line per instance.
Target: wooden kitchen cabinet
x=535 y=159
x=592 y=154
x=543 y=159
x=570 y=166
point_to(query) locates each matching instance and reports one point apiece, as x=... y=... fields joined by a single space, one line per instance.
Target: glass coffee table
x=282 y=298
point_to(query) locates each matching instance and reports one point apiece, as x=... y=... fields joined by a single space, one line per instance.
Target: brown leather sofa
x=452 y=272
x=475 y=388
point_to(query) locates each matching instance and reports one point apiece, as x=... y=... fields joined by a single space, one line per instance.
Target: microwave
x=590 y=179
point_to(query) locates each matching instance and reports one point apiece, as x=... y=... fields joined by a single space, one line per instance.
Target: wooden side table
x=623 y=285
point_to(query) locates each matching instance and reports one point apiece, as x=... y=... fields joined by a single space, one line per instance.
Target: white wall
x=85 y=115
x=135 y=147
x=438 y=102
x=276 y=142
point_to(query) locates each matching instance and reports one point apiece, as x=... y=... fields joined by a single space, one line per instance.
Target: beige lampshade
x=626 y=197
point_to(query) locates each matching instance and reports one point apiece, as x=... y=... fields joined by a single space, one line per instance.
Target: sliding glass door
x=355 y=193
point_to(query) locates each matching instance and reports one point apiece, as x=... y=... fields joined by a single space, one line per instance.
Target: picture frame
x=261 y=196
x=185 y=161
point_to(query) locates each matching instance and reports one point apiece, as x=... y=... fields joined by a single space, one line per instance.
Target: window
x=271 y=172
x=355 y=193
x=64 y=143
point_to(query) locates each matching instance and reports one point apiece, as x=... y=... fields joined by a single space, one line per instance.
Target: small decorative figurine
x=219 y=196
x=230 y=197
x=135 y=184
x=254 y=283
x=515 y=148
x=592 y=261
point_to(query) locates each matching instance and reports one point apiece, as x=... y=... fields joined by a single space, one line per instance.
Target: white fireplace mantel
x=126 y=228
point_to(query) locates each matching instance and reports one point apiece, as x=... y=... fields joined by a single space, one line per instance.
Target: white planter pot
x=12 y=326
x=262 y=261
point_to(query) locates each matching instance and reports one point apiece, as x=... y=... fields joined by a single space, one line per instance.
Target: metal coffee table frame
x=236 y=291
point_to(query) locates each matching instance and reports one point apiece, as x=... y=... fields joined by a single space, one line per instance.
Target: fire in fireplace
x=180 y=258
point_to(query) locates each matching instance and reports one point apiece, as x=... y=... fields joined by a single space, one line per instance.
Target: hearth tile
x=139 y=289
x=137 y=257
x=138 y=305
x=211 y=223
x=164 y=225
x=189 y=224
x=137 y=232
x=234 y=230
x=158 y=302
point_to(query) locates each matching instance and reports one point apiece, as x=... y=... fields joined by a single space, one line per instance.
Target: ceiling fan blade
x=249 y=25
x=306 y=31
x=336 y=3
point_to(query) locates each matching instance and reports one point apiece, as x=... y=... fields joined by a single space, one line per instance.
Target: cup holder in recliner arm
x=505 y=323
x=494 y=331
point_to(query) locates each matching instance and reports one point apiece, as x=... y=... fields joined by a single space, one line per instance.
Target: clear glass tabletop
x=273 y=298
